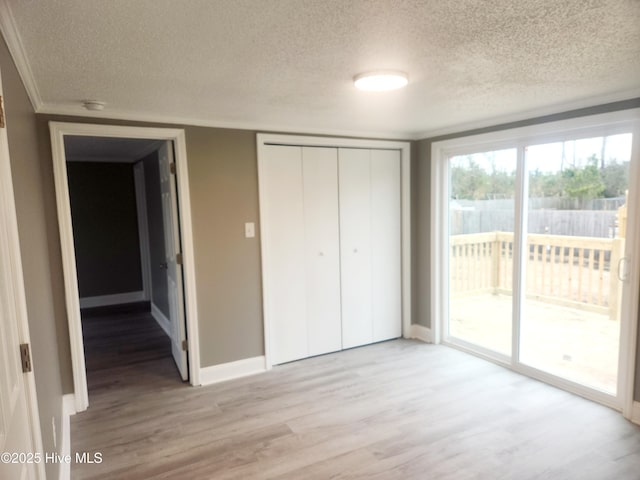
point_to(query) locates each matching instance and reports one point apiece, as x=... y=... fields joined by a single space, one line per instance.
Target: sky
x=548 y=157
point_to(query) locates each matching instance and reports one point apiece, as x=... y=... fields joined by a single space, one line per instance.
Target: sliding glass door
x=481 y=216
x=534 y=251
x=575 y=238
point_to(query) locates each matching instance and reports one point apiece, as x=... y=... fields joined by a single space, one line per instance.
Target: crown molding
x=9 y=30
x=116 y=114
x=584 y=103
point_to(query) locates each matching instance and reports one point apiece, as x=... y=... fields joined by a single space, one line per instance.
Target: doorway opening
x=125 y=229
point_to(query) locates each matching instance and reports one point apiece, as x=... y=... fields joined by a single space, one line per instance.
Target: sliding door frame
x=580 y=127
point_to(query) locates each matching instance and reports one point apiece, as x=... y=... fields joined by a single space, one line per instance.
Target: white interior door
x=386 y=249
x=175 y=290
x=355 y=246
x=322 y=245
x=15 y=426
x=283 y=216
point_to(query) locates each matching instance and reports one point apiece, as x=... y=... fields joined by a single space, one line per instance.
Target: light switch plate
x=249 y=230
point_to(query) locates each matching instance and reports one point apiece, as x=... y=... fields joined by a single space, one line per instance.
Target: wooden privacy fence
x=576 y=272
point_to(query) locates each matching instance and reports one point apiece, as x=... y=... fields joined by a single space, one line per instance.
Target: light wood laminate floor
x=395 y=410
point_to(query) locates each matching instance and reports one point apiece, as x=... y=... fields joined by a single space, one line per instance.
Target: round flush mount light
x=380 y=81
x=93 y=105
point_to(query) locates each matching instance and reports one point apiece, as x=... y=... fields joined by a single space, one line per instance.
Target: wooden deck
x=395 y=410
x=578 y=344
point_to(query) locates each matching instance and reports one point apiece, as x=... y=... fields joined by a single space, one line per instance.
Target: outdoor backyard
x=570 y=317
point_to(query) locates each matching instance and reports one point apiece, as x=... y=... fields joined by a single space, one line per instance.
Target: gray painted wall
x=159 y=284
x=33 y=189
x=223 y=179
x=424 y=204
x=105 y=228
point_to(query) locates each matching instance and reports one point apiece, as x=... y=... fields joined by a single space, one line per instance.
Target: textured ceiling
x=288 y=64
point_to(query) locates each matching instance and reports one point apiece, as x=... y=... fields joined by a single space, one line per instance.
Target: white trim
x=439 y=267
x=114 y=299
x=405 y=210
x=143 y=228
x=532 y=114
x=421 y=333
x=232 y=370
x=68 y=409
x=76 y=110
x=58 y=130
x=264 y=139
x=635 y=414
x=18 y=53
x=161 y=319
x=580 y=127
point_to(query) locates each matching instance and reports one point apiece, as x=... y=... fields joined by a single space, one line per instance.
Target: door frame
x=264 y=139
x=58 y=131
x=599 y=124
x=17 y=286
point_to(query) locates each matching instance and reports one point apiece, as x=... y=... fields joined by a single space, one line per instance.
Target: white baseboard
x=68 y=409
x=116 y=299
x=635 y=413
x=161 y=318
x=421 y=333
x=231 y=370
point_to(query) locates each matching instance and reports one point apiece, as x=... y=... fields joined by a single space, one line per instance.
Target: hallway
x=126 y=353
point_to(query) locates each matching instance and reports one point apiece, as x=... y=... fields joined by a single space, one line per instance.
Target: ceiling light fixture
x=93 y=105
x=380 y=81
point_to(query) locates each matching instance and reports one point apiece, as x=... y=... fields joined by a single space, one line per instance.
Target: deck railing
x=570 y=271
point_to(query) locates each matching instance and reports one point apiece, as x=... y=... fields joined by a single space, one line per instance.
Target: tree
x=615 y=177
x=584 y=182
x=469 y=182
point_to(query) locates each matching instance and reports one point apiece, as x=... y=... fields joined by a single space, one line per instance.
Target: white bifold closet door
x=370 y=245
x=301 y=211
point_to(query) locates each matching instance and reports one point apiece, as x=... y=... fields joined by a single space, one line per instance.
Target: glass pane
x=481 y=219
x=570 y=322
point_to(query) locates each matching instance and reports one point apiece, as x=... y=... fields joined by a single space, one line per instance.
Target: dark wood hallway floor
x=396 y=410
x=125 y=350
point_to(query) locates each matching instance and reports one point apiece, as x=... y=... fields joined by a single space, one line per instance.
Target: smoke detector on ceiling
x=93 y=105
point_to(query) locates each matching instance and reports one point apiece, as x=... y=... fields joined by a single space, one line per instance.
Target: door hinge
x=179 y=258
x=172 y=168
x=185 y=346
x=1 y=112
x=25 y=357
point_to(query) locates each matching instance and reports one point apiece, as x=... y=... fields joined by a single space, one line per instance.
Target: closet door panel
x=284 y=209
x=386 y=256
x=355 y=246
x=322 y=249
